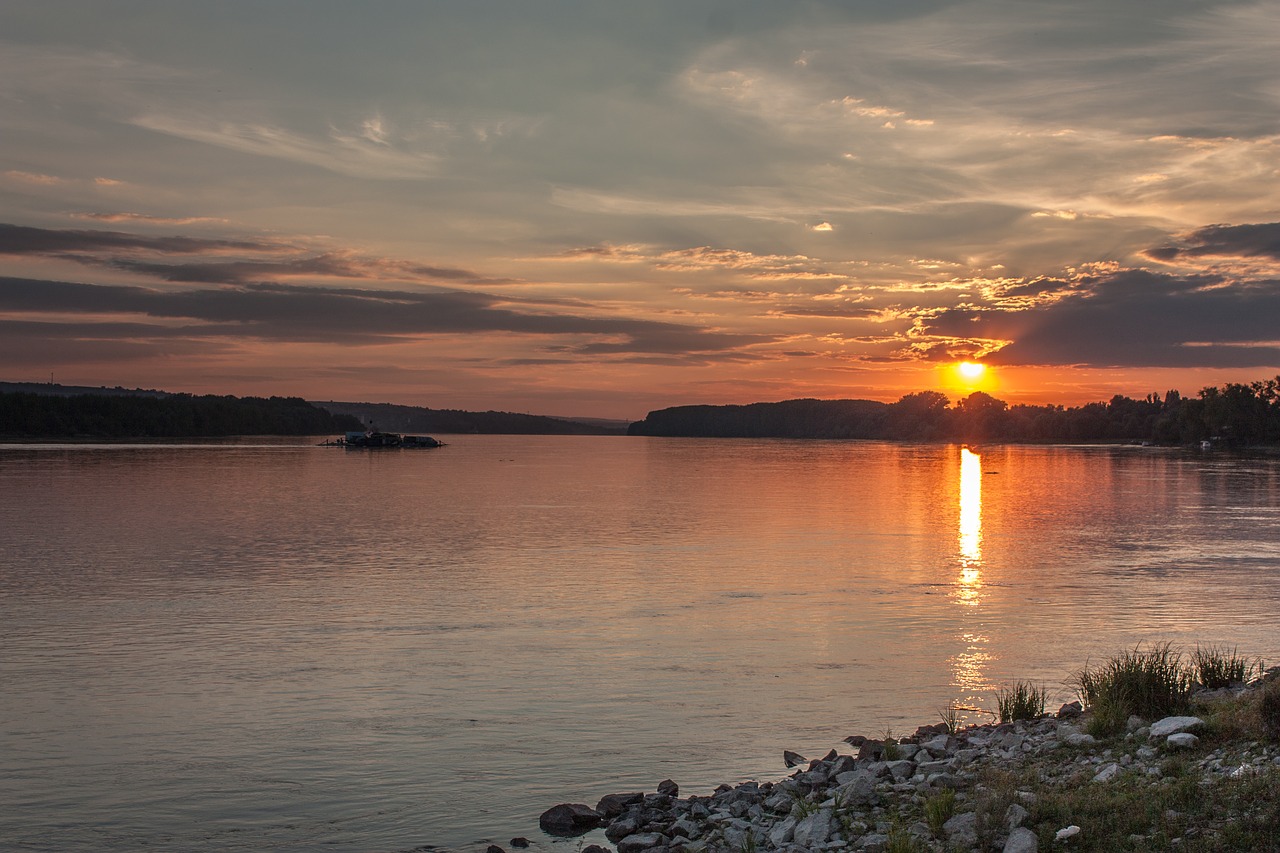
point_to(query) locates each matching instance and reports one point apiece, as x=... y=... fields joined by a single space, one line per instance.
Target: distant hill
x=787 y=419
x=389 y=417
x=92 y=414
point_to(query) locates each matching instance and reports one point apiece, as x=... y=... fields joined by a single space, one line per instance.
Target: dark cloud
x=1133 y=318
x=333 y=315
x=1260 y=240
x=23 y=240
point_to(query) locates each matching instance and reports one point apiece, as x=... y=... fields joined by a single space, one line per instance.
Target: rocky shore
x=1205 y=781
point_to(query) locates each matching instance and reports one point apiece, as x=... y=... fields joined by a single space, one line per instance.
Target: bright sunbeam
x=970 y=538
x=971 y=369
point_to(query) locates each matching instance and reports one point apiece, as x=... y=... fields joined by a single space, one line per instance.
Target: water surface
x=269 y=645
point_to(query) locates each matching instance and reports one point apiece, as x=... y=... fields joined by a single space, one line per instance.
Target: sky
x=599 y=209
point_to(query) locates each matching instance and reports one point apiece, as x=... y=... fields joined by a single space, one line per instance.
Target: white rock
x=1067 y=833
x=1080 y=739
x=1174 y=725
x=1182 y=740
x=1107 y=773
x=1022 y=840
x=783 y=832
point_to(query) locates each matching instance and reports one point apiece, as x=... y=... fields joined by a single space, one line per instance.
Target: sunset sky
x=587 y=208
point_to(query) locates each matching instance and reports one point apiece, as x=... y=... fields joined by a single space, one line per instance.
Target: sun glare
x=971 y=369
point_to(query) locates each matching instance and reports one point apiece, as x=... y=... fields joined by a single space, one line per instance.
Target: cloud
x=24 y=240
x=1130 y=318
x=33 y=178
x=363 y=153
x=354 y=316
x=1261 y=240
x=145 y=218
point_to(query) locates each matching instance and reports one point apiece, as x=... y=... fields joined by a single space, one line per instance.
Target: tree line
x=1235 y=414
x=27 y=415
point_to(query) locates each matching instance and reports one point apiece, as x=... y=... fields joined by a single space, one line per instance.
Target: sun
x=971 y=370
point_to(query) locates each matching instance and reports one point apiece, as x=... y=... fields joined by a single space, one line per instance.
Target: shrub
x=1215 y=666
x=1022 y=701
x=1150 y=683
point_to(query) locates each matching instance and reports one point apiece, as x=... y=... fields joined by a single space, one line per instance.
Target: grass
x=1150 y=683
x=1214 y=667
x=951 y=718
x=1022 y=701
x=892 y=752
x=939 y=809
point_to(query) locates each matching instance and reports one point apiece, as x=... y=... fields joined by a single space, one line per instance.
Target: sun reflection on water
x=970 y=538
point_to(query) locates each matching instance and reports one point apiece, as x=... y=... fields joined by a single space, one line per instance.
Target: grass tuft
x=1022 y=701
x=939 y=809
x=1150 y=683
x=1214 y=667
x=1269 y=709
x=951 y=718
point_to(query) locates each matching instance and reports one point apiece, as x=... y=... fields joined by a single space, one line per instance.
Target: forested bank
x=1234 y=414
x=24 y=415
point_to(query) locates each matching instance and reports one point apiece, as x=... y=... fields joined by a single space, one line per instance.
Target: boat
x=373 y=439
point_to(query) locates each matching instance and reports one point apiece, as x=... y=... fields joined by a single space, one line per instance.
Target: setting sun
x=971 y=369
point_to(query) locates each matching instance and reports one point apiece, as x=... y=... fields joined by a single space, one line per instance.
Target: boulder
x=962 y=830
x=595 y=848
x=814 y=829
x=1107 y=773
x=671 y=789
x=1174 y=725
x=1022 y=840
x=569 y=819
x=612 y=805
x=791 y=759
x=1070 y=710
x=1182 y=740
x=621 y=828
x=783 y=831
x=521 y=841
x=641 y=841
x=493 y=848
x=1015 y=816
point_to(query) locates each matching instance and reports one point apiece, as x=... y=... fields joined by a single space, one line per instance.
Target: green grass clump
x=939 y=809
x=1022 y=701
x=951 y=718
x=1150 y=683
x=1214 y=667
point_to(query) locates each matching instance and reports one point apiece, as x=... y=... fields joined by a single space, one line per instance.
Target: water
x=266 y=645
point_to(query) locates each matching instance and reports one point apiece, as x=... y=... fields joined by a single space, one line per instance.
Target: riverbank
x=1204 y=780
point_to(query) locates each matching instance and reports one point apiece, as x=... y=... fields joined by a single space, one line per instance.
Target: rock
x=1080 y=739
x=962 y=830
x=791 y=759
x=595 y=848
x=783 y=831
x=872 y=750
x=860 y=791
x=685 y=828
x=612 y=805
x=569 y=819
x=493 y=848
x=1182 y=740
x=831 y=756
x=641 y=841
x=1015 y=816
x=938 y=745
x=1174 y=725
x=813 y=829
x=621 y=828
x=1107 y=773
x=521 y=841
x=901 y=770
x=1022 y=840
x=855 y=740
x=671 y=789
x=1067 y=833
x=1070 y=711
x=873 y=842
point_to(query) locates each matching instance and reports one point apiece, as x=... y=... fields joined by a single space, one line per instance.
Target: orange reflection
x=970 y=537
